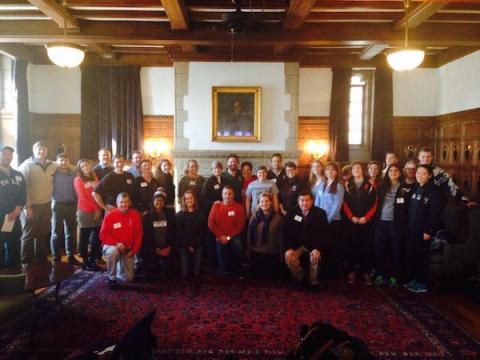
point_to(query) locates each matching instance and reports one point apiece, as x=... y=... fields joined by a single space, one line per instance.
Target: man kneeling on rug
x=121 y=236
x=306 y=234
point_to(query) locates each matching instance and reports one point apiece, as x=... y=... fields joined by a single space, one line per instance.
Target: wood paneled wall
x=455 y=139
x=158 y=126
x=458 y=148
x=412 y=132
x=57 y=129
x=310 y=128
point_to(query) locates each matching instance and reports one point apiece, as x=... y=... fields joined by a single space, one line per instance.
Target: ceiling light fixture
x=64 y=54
x=405 y=59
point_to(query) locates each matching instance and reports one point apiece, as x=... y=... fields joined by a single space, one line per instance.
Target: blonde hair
x=312 y=178
x=186 y=171
x=195 y=203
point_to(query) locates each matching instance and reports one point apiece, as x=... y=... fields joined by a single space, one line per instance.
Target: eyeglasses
x=413 y=169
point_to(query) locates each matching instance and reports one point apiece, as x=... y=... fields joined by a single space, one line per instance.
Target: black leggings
x=89 y=236
x=360 y=247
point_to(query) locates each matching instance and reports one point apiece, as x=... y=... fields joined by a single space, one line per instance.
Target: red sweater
x=84 y=190
x=122 y=228
x=226 y=220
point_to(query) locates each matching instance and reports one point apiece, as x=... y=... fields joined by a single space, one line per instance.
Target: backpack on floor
x=325 y=342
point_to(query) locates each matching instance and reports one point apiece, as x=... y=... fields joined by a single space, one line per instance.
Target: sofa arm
x=12 y=284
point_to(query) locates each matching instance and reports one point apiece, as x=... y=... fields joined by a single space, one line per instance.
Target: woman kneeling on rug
x=265 y=238
x=158 y=238
x=191 y=226
x=121 y=236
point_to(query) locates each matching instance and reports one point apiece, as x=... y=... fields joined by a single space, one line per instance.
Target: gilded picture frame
x=236 y=113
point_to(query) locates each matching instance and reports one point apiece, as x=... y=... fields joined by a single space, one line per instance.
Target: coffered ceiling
x=315 y=33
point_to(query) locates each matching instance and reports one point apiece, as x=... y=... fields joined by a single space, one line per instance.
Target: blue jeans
x=190 y=261
x=10 y=246
x=231 y=255
x=64 y=220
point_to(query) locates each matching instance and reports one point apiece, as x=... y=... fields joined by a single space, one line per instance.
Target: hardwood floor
x=459 y=307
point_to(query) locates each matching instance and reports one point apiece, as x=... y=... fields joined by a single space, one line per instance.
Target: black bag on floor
x=326 y=342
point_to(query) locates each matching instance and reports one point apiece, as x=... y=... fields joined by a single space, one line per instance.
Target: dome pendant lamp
x=64 y=54
x=405 y=59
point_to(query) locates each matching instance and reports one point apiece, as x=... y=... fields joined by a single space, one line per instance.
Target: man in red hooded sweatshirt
x=121 y=236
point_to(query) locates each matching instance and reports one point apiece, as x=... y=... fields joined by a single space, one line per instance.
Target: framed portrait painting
x=235 y=113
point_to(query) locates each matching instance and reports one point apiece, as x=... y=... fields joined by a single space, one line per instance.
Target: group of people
x=314 y=227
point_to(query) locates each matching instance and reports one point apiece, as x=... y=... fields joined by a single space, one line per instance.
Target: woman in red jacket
x=89 y=215
x=359 y=206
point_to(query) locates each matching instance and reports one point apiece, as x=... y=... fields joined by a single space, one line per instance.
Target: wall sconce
x=317 y=148
x=156 y=147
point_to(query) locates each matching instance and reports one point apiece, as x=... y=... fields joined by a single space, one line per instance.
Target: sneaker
x=393 y=281
x=112 y=284
x=72 y=261
x=410 y=283
x=366 y=279
x=90 y=266
x=418 y=288
x=379 y=280
x=351 y=277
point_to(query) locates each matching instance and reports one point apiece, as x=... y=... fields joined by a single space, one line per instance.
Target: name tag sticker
x=117 y=225
x=216 y=187
x=129 y=181
x=297 y=218
x=143 y=184
x=231 y=213
x=18 y=178
x=274 y=181
x=159 y=224
x=400 y=200
x=193 y=183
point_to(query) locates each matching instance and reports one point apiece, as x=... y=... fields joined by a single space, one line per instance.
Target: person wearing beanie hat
x=158 y=238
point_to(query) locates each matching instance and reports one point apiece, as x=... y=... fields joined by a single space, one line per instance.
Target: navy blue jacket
x=425 y=210
x=310 y=231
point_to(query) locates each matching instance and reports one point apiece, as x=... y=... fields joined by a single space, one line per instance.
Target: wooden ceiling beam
x=189 y=49
x=116 y=15
x=139 y=50
x=57 y=13
x=420 y=14
x=297 y=12
x=103 y=50
x=357 y=5
x=372 y=50
x=129 y=59
x=346 y=34
x=454 y=53
x=281 y=48
x=177 y=13
x=17 y=51
x=352 y=60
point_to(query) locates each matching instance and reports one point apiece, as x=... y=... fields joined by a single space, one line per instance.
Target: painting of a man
x=234 y=116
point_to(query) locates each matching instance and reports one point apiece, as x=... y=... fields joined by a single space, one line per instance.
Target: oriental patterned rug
x=228 y=318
